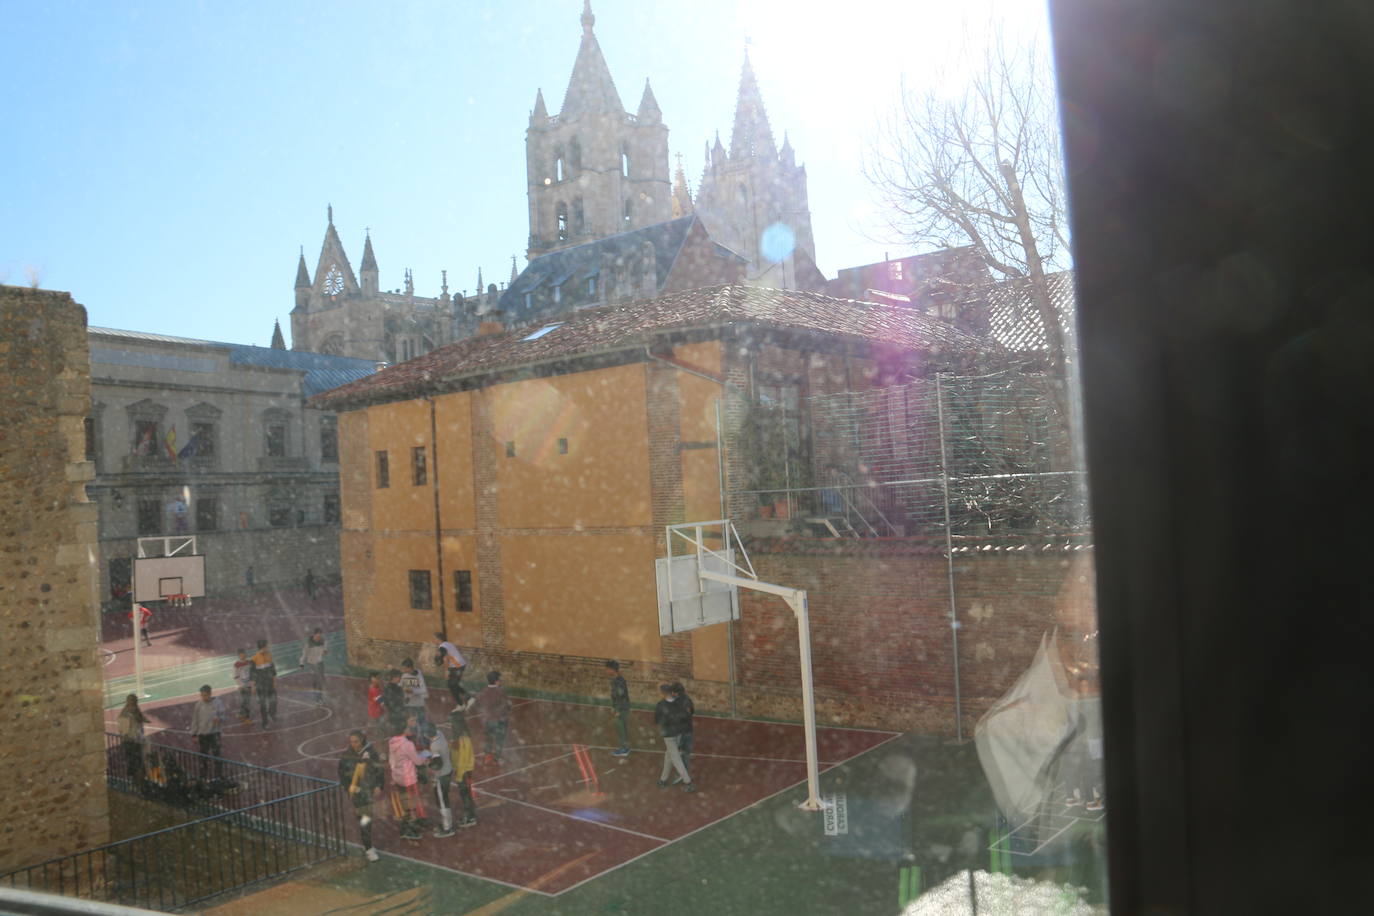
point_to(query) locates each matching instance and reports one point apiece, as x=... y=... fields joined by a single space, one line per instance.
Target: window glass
x=419 y=589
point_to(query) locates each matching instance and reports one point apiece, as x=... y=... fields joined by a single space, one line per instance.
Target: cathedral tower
x=753 y=199
x=594 y=169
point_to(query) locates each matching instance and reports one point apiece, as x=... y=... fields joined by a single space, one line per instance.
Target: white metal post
x=796 y=600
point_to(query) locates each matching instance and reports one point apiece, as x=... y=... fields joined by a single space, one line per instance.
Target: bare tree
x=983 y=167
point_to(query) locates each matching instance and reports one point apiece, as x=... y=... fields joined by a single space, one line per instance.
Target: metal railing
x=243 y=824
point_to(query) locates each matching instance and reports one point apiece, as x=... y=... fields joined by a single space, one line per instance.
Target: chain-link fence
x=972 y=455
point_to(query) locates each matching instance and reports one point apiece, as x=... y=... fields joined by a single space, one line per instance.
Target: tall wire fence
x=974 y=456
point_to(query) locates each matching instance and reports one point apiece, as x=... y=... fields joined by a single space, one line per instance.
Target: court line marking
x=737 y=811
x=583 y=820
x=665 y=843
x=456 y=871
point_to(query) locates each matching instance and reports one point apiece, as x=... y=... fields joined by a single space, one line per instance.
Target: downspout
x=720 y=492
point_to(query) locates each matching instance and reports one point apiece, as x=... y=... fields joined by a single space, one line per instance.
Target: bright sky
x=165 y=161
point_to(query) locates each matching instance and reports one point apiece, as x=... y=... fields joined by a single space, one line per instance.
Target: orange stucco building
x=512 y=489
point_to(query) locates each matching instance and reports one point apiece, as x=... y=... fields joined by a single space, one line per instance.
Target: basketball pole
x=796 y=600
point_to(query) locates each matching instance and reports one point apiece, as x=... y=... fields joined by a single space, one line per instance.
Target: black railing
x=240 y=824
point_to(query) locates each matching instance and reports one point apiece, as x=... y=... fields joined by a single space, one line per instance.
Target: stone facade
x=50 y=676
x=215 y=440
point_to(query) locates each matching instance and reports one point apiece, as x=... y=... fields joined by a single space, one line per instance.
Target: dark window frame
x=421 y=590
x=462 y=591
x=419 y=466
x=383 y=465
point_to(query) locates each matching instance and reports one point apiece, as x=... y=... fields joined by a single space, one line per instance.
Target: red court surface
x=215 y=627
x=541 y=827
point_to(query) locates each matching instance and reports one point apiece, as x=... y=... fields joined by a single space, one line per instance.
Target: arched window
x=575 y=155
x=578 y=225
x=558 y=163
x=627 y=211
x=562 y=222
x=625 y=161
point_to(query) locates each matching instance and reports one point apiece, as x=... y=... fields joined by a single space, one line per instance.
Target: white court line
x=459 y=871
x=583 y=820
x=755 y=804
x=530 y=766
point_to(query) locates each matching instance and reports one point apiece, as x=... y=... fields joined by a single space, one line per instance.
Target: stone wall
x=52 y=746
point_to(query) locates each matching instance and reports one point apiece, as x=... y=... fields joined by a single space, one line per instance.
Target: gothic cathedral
x=600 y=199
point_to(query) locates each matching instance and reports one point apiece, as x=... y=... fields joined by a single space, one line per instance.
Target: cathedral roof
x=582 y=261
x=633 y=326
x=591 y=88
x=302 y=274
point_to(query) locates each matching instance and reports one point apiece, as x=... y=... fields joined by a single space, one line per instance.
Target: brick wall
x=50 y=676
x=882 y=652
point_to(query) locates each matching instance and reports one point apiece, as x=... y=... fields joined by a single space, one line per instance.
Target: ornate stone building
x=214 y=439
x=597 y=175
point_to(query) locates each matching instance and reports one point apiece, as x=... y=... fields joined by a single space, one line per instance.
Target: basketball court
x=559 y=811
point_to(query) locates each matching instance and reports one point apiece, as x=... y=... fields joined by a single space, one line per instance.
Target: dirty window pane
x=785 y=368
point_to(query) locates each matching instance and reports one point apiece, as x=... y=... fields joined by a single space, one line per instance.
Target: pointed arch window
x=562 y=222
x=625 y=161
x=558 y=163
x=627 y=211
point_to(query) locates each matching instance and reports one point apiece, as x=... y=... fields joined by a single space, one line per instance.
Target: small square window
x=419 y=475
x=383 y=471
x=420 y=599
x=462 y=579
x=279 y=516
x=562 y=446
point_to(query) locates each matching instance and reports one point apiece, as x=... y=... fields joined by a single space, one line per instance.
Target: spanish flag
x=171 y=443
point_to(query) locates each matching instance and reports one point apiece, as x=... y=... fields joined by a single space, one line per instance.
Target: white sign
x=836 y=814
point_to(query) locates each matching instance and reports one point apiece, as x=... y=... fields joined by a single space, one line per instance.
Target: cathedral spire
x=512 y=270
x=752 y=136
x=302 y=274
x=682 y=196
x=278 y=341
x=591 y=88
x=369 y=259
x=649 y=111
x=541 y=112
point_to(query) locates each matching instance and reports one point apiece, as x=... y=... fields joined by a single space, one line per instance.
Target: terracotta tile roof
x=1013 y=321
x=633 y=325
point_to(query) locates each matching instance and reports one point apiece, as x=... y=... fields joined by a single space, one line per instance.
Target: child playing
x=493 y=706
x=464 y=760
x=405 y=782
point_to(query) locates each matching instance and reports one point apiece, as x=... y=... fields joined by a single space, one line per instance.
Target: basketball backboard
x=168 y=566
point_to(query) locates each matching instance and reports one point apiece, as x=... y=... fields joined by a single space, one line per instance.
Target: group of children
x=423 y=763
